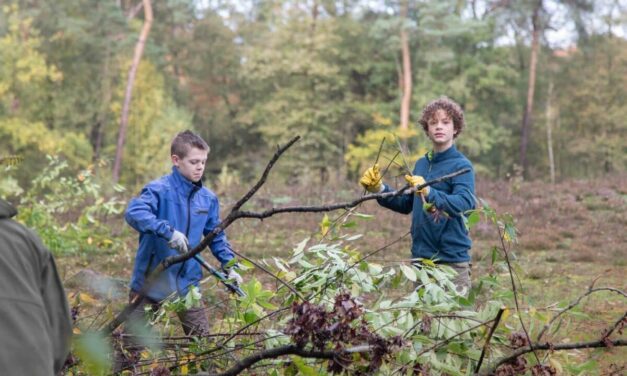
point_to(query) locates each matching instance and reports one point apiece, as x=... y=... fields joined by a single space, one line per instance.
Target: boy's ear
x=175 y=160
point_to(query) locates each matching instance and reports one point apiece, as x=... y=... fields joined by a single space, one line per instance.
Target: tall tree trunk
x=406 y=79
x=549 y=132
x=139 y=50
x=101 y=116
x=527 y=122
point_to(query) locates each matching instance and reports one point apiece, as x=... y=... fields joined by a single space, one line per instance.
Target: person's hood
x=6 y=210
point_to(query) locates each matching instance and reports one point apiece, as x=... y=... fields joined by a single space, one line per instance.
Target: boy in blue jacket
x=438 y=230
x=172 y=215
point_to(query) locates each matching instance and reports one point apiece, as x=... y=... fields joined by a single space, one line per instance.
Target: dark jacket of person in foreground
x=35 y=321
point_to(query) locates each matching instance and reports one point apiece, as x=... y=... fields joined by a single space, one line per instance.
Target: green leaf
x=250 y=316
x=303 y=368
x=247 y=264
x=300 y=247
x=363 y=216
x=473 y=218
x=93 y=350
x=409 y=272
x=354 y=237
x=585 y=368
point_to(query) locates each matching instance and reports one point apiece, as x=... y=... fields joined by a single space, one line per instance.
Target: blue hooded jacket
x=164 y=205
x=445 y=239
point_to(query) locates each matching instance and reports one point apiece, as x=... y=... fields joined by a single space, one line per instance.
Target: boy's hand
x=179 y=242
x=416 y=180
x=372 y=180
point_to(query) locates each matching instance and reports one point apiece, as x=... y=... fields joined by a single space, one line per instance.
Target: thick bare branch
x=290 y=350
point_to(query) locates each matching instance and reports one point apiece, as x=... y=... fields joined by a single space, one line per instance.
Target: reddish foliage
x=505 y=370
x=425 y=325
x=313 y=324
x=541 y=370
x=516 y=366
x=421 y=370
x=518 y=339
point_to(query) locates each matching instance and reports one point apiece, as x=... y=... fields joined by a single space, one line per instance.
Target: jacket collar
x=6 y=210
x=182 y=183
x=446 y=154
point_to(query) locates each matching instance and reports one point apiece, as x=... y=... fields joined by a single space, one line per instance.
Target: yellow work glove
x=372 y=179
x=414 y=181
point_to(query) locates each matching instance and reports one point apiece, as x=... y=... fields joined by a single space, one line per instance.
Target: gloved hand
x=233 y=275
x=416 y=180
x=179 y=242
x=372 y=180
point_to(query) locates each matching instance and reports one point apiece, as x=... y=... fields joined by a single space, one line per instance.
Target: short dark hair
x=452 y=109
x=186 y=140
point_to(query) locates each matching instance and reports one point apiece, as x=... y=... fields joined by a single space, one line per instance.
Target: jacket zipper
x=189 y=210
x=189 y=221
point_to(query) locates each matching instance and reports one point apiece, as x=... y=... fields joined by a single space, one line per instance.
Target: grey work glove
x=233 y=275
x=179 y=242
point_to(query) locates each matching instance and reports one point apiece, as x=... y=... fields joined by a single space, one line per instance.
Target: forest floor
x=571 y=235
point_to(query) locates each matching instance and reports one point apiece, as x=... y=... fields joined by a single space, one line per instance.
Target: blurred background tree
x=250 y=75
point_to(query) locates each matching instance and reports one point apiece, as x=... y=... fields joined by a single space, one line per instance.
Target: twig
x=618 y=323
x=376 y=160
x=549 y=346
x=264 y=176
x=575 y=303
x=293 y=290
x=514 y=290
x=487 y=341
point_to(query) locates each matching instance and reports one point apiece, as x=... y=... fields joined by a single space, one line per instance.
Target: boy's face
x=192 y=165
x=441 y=130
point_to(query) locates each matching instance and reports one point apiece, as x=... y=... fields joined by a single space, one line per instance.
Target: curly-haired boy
x=438 y=230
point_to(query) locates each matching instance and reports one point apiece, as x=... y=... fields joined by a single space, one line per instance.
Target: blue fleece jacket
x=445 y=239
x=164 y=205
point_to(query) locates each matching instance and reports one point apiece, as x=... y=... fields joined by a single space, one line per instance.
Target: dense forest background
x=543 y=84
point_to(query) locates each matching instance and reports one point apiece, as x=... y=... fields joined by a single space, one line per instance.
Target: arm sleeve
x=461 y=198
x=402 y=204
x=58 y=312
x=220 y=246
x=140 y=214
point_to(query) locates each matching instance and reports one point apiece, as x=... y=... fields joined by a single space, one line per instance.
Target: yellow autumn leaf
x=428 y=262
x=325 y=225
x=76 y=330
x=86 y=298
x=506 y=314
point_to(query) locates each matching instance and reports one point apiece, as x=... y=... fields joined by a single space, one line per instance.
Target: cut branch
x=264 y=176
x=574 y=304
x=290 y=350
x=487 y=341
x=552 y=347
